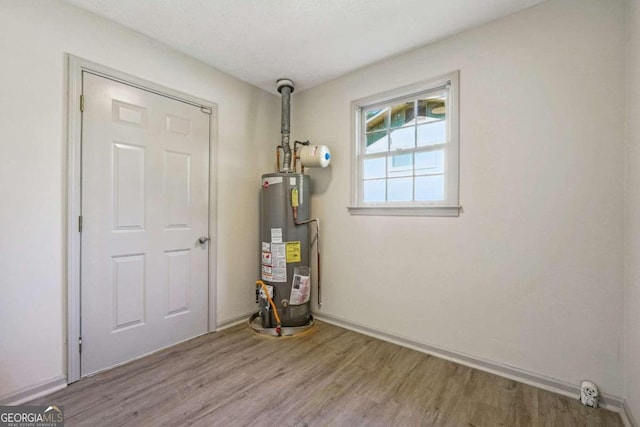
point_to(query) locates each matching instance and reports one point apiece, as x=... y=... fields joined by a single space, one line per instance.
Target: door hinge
x=206 y=110
x=80 y=344
x=82 y=103
x=80 y=224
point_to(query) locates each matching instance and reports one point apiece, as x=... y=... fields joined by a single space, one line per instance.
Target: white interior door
x=145 y=204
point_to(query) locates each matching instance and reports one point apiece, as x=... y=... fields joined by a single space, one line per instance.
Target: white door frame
x=76 y=66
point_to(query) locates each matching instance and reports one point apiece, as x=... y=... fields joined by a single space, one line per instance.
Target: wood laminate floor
x=327 y=376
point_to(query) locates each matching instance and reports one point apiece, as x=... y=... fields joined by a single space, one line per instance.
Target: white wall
x=632 y=235
x=531 y=273
x=35 y=37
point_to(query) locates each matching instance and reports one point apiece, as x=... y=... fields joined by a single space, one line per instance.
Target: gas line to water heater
x=273 y=306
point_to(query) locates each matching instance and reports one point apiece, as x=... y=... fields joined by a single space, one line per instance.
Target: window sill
x=405 y=210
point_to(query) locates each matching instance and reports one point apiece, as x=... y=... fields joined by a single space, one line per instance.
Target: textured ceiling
x=308 y=41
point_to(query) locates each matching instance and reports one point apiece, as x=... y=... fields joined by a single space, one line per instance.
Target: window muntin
x=407 y=148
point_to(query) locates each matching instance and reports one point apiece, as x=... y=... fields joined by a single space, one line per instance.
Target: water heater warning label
x=278 y=255
x=279 y=275
x=276 y=235
x=293 y=252
x=278 y=272
x=266 y=258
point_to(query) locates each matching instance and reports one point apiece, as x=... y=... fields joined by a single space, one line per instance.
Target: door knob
x=204 y=239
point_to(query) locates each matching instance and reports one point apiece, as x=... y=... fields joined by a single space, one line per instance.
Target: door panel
x=145 y=203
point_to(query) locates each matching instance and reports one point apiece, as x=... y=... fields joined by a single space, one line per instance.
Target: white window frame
x=450 y=205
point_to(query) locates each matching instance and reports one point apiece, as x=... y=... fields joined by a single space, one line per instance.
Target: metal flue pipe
x=285 y=87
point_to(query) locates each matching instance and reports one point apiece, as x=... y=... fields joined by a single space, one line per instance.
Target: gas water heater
x=283 y=292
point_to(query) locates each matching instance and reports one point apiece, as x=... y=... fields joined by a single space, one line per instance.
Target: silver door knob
x=204 y=239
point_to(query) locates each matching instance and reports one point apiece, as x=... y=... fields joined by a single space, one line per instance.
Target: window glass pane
x=374 y=191
x=403 y=138
x=377 y=142
x=430 y=162
x=429 y=188
x=374 y=168
x=432 y=107
x=377 y=119
x=432 y=133
x=400 y=189
x=400 y=165
x=402 y=114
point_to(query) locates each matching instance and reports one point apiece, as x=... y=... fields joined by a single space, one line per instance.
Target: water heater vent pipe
x=285 y=87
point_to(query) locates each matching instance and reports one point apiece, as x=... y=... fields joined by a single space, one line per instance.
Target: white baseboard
x=627 y=416
x=29 y=393
x=612 y=403
x=226 y=324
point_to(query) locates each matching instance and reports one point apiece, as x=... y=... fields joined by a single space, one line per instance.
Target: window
x=406 y=151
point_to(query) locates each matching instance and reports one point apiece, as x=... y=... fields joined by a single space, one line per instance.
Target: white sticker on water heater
x=279 y=255
x=266 y=247
x=279 y=262
x=266 y=258
x=279 y=275
x=292 y=181
x=267 y=273
x=276 y=235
